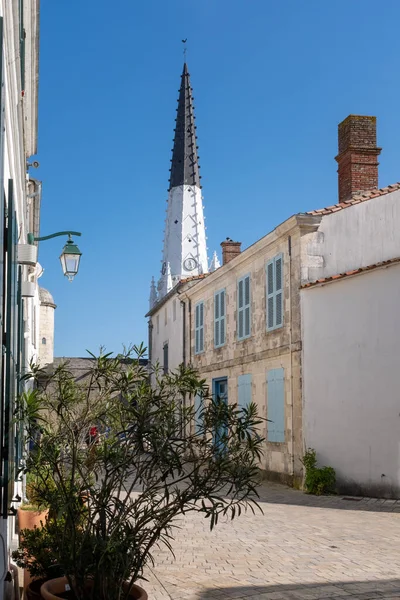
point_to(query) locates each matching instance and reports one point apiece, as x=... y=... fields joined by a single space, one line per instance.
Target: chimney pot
x=230 y=250
x=358 y=156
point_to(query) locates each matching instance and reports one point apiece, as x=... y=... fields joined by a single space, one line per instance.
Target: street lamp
x=70 y=255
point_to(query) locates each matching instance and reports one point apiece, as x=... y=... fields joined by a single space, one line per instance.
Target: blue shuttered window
x=199 y=328
x=198 y=413
x=219 y=318
x=244 y=390
x=243 y=308
x=275 y=293
x=276 y=405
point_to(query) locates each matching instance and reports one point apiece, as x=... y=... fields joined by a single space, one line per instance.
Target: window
x=199 y=328
x=43 y=340
x=275 y=293
x=276 y=405
x=219 y=318
x=243 y=308
x=174 y=310
x=165 y=355
x=165 y=316
x=158 y=323
x=244 y=390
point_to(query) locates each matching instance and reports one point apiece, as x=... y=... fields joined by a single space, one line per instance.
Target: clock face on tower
x=189 y=264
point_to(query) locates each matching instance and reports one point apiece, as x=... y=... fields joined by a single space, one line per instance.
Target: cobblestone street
x=300 y=548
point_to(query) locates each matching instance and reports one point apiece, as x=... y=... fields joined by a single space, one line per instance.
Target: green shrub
x=318 y=480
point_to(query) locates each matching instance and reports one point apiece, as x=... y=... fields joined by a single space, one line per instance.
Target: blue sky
x=271 y=82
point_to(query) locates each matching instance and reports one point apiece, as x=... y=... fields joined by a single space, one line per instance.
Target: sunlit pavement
x=300 y=547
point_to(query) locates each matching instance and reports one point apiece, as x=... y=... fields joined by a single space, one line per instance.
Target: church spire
x=185 y=165
x=185 y=248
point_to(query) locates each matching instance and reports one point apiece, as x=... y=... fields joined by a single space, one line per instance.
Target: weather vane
x=184 y=49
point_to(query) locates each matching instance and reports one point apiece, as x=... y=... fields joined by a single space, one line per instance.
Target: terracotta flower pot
x=32 y=591
x=29 y=519
x=52 y=590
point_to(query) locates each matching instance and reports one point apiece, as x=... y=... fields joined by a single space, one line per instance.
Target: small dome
x=46 y=298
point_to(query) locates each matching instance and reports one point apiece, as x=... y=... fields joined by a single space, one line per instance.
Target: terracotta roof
x=356 y=199
x=194 y=277
x=384 y=263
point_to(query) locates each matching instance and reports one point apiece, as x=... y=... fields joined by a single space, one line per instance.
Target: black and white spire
x=185 y=248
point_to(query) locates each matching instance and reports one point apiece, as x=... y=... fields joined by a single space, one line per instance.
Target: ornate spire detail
x=185 y=246
x=185 y=166
x=153 y=293
x=168 y=279
x=215 y=264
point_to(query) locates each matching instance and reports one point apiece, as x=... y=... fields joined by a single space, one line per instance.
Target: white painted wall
x=167 y=328
x=351 y=358
x=357 y=236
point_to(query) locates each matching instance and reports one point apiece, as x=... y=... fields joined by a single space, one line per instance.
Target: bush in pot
x=147 y=466
x=38 y=557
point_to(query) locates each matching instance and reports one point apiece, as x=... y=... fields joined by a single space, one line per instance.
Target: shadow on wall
x=385 y=588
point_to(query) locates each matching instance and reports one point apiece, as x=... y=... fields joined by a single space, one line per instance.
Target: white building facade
x=20 y=196
x=350 y=324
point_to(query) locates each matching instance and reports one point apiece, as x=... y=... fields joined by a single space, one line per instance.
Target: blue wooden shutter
x=165 y=358
x=243 y=308
x=198 y=413
x=222 y=316
x=11 y=349
x=244 y=390
x=219 y=318
x=247 y=315
x=276 y=405
x=199 y=328
x=240 y=312
x=274 y=292
x=279 y=290
x=217 y=337
x=270 y=295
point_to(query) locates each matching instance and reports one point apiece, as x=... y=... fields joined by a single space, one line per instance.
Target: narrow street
x=301 y=548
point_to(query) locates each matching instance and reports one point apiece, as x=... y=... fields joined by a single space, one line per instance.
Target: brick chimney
x=230 y=250
x=358 y=156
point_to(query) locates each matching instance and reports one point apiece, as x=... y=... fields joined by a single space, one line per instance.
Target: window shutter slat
x=270 y=277
x=278 y=309
x=247 y=321
x=222 y=331
x=278 y=274
x=216 y=306
x=217 y=333
x=240 y=323
x=222 y=306
x=240 y=294
x=247 y=291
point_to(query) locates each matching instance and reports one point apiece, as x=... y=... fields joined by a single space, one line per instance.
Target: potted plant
x=147 y=466
x=37 y=557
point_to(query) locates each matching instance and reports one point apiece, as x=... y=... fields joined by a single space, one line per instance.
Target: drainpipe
x=291 y=354
x=183 y=332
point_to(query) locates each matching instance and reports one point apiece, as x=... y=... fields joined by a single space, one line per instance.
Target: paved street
x=300 y=548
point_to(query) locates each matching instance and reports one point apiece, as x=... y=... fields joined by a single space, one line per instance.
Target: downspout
x=291 y=356
x=183 y=332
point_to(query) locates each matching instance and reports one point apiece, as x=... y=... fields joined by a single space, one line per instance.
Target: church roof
x=185 y=164
x=45 y=297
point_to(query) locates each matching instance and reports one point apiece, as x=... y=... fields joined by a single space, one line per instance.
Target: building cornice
x=303 y=222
